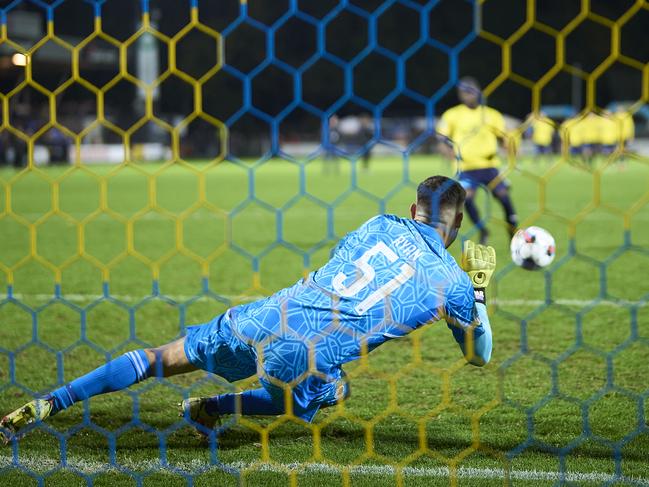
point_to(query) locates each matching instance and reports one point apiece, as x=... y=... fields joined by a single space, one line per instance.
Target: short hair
x=469 y=83
x=438 y=193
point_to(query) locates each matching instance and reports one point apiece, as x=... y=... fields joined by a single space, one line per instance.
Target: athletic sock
x=118 y=374
x=472 y=210
x=254 y=402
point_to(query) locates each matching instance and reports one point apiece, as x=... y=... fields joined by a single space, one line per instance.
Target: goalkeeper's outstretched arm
x=479 y=262
x=475 y=341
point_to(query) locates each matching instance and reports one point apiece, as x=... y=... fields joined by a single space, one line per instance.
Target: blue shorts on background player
x=482 y=177
x=489 y=178
x=384 y=280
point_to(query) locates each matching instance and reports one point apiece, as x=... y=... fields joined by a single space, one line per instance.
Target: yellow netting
x=41 y=268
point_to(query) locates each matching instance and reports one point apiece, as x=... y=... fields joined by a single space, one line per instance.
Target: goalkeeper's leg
x=116 y=375
x=207 y=411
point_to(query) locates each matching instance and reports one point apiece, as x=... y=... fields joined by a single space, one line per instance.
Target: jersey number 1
x=368 y=274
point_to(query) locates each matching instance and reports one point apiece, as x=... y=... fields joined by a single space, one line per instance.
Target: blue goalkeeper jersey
x=384 y=280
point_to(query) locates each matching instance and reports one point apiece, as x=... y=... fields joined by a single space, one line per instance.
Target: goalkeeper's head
x=439 y=204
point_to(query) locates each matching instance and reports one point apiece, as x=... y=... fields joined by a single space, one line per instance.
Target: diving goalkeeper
x=384 y=280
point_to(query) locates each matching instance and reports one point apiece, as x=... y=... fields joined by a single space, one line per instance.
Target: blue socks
x=505 y=201
x=118 y=374
x=254 y=402
x=472 y=210
x=134 y=367
x=510 y=214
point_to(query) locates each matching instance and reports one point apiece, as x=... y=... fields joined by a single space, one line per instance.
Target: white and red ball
x=533 y=248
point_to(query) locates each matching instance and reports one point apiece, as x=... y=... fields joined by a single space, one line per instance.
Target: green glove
x=479 y=262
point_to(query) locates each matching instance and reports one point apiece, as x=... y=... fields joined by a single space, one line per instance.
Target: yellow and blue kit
x=542 y=133
x=474 y=133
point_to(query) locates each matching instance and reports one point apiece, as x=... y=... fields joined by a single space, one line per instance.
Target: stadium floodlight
x=19 y=59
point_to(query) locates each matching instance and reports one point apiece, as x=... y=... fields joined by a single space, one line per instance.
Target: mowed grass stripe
x=235 y=468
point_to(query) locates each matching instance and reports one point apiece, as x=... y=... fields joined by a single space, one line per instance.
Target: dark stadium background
x=374 y=77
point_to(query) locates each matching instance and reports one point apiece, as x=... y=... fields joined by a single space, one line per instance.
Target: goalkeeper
x=384 y=280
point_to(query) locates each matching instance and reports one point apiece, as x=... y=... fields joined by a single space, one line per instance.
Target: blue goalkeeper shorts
x=215 y=348
x=481 y=177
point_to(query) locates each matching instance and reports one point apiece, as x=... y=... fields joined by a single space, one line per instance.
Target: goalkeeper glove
x=479 y=262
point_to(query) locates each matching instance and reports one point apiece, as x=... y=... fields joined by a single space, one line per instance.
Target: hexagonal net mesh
x=163 y=161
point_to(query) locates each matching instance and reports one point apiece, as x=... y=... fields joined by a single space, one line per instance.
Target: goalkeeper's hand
x=479 y=262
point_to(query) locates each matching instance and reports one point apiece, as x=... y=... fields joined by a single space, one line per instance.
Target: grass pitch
x=141 y=251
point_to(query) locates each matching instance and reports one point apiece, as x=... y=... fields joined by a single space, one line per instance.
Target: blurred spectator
x=58 y=145
x=13 y=150
x=334 y=137
x=365 y=136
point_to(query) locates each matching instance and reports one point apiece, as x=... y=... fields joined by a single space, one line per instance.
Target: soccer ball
x=532 y=248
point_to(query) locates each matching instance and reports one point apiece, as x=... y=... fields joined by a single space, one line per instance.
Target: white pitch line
x=571 y=302
x=181 y=298
x=196 y=466
x=129 y=298
x=296 y=210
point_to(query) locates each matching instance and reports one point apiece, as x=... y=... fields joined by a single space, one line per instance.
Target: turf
x=174 y=245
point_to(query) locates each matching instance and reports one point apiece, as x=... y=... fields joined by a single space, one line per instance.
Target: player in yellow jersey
x=571 y=136
x=542 y=129
x=592 y=135
x=582 y=134
x=626 y=126
x=609 y=133
x=470 y=133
